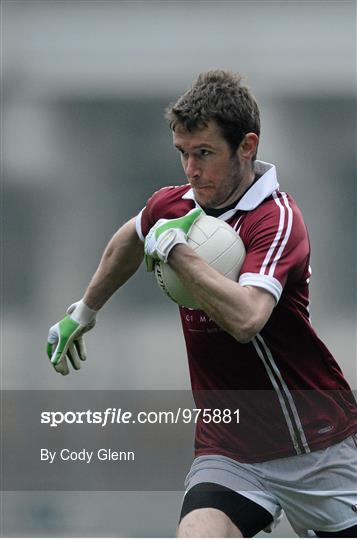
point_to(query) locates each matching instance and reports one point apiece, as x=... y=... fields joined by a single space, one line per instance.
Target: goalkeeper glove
x=65 y=339
x=165 y=234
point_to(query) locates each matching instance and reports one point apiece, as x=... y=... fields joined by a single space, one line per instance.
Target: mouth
x=203 y=194
x=198 y=188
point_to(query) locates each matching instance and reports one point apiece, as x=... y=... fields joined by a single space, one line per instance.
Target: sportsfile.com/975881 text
x=120 y=416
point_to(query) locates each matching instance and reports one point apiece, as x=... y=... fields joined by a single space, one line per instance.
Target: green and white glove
x=65 y=338
x=165 y=234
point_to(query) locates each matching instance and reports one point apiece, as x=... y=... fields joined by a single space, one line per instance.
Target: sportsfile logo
x=101 y=418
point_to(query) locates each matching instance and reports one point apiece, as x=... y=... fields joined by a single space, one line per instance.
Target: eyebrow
x=205 y=145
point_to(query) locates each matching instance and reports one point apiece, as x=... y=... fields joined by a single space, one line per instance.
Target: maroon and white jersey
x=290 y=392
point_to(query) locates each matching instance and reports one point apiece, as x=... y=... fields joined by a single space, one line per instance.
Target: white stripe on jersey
x=235 y=227
x=280 y=396
x=310 y=274
x=270 y=284
x=286 y=237
x=277 y=236
x=138 y=225
x=281 y=399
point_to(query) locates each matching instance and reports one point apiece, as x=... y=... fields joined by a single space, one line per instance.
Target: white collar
x=260 y=190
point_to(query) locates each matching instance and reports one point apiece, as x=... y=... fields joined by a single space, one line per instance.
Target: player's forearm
x=121 y=258
x=230 y=305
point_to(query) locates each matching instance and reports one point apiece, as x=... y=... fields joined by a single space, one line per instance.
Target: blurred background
x=84 y=144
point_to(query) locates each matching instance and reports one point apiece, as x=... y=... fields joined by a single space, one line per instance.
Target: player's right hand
x=65 y=338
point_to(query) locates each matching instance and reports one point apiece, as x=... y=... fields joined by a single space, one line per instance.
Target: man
x=252 y=342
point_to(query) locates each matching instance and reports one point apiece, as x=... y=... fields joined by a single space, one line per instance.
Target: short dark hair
x=217 y=95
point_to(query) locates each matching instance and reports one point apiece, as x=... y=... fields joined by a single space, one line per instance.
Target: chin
x=204 y=201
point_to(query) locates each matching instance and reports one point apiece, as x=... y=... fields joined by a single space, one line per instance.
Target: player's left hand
x=165 y=234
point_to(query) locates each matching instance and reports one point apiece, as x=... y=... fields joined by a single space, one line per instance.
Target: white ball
x=218 y=244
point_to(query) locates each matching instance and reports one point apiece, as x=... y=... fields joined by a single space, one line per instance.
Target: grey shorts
x=317 y=491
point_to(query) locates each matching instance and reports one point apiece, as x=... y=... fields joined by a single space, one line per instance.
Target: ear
x=248 y=147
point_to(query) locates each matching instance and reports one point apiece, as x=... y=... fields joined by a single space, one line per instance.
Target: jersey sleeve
x=277 y=246
x=168 y=202
x=150 y=214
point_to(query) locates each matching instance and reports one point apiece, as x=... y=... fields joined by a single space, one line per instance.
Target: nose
x=192 y=169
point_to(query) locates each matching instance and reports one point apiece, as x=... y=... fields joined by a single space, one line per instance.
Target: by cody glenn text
x=86 y=456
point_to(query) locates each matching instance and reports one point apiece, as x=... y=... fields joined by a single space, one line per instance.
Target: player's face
x=216 y=175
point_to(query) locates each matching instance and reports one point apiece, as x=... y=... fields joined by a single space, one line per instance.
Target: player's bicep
x=125 y=248
x=263 y=302
x=133 y=233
